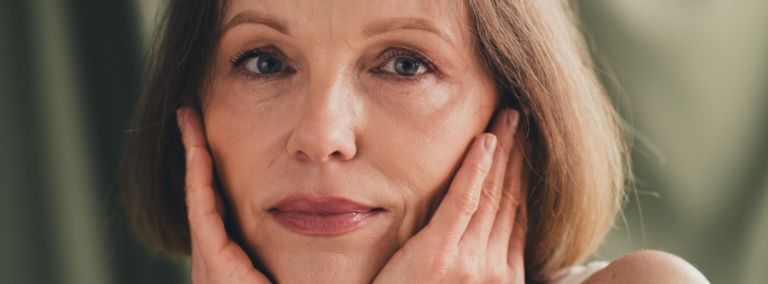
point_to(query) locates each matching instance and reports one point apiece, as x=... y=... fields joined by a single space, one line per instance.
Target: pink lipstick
x=322 y=216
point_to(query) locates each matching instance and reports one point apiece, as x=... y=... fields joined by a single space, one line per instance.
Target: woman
x=378 y=141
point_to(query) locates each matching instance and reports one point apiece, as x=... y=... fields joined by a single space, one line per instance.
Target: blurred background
x=691 y=76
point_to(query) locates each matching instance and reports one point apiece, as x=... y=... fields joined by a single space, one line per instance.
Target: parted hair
x=534 y=49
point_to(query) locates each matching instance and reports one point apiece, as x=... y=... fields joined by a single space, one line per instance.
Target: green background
x=690 y=76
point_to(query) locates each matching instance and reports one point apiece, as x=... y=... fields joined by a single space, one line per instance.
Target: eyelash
x=389 y=54
x=392 y=53
x=238 y=60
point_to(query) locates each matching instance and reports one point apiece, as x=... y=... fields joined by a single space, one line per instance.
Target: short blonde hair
x=540 y=64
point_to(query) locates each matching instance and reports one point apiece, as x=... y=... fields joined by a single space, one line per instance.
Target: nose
x=326 y=130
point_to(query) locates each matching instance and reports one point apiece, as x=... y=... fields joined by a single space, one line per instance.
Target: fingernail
x=512 y=118
x=490 y=142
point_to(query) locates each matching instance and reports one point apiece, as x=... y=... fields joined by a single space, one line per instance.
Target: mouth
x=324 y=216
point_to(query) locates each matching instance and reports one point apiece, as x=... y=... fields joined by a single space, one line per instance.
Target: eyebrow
x=408 y=23
x=379 y=27
x=255 y=17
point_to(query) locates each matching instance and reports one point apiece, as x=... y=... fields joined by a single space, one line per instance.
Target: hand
x=215 y=258
x=477 y=235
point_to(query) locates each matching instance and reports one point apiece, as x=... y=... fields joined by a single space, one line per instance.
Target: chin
x=326 y=267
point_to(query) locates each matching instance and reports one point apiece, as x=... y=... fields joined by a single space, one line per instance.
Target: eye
x=405 y=66
x=263 y=64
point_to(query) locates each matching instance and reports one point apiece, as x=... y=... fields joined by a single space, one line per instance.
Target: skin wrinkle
x=257 y=17
x=405 y=140
x=406 y=23
x=405 y=231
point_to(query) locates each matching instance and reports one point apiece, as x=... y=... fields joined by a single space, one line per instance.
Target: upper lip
x=320 y=205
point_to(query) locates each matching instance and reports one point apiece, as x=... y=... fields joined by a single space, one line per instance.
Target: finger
x=515 y=187
x=205 y=221
x=452 y=216
x=482 y=221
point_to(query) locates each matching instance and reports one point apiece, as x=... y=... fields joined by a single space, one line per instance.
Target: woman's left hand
x=477 y=234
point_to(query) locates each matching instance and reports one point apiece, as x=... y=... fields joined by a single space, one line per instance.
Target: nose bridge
x=325 y=130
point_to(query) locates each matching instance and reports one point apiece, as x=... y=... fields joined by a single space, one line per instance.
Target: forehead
x=350 y=18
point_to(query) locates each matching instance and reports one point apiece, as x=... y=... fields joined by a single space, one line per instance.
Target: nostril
x=319 y=151
x=337 y=155
x=301 y=156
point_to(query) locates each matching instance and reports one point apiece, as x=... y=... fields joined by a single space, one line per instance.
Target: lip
x=322 y=216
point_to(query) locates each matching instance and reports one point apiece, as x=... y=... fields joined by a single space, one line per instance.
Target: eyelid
x=246 y=54
x=395 y=52
x=241 y=57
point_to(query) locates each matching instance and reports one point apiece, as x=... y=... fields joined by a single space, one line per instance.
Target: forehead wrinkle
x=257 y=17
x=450 y=19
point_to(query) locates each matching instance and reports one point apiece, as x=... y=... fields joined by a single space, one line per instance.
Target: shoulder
x=648 y=266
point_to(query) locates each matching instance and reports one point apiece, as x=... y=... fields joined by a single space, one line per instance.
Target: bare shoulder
x=648 y=266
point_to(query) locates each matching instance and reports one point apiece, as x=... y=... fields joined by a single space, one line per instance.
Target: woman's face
x=374 y=102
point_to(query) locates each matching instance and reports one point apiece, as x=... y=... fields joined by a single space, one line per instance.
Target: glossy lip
x=322 y=216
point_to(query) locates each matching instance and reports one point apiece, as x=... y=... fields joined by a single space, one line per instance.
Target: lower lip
x=323 y=224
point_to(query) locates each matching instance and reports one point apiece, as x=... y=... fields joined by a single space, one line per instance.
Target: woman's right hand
x=215 y=257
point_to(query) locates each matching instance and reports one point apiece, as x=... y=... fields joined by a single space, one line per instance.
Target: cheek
x=237 y=116
x=239 y=147
x=434 y=123
x=434 y=147
x=423 y=134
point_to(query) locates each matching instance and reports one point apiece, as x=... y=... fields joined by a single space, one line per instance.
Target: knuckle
x=468 y=275
x=469 y=203
x=511 y=199
x=466 y=270
x=490 y=184
x=491 y=200
x=495 y=275
x=503 y=149
x=191 y=217
x=191 y=193
x=482 y=169
x=437 y=269
x=194 y=222
x=489 y=189
x=494 y=279
x=440 y=264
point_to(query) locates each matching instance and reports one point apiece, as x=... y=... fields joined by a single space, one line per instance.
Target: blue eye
x=404 y=66
x=263 y=64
